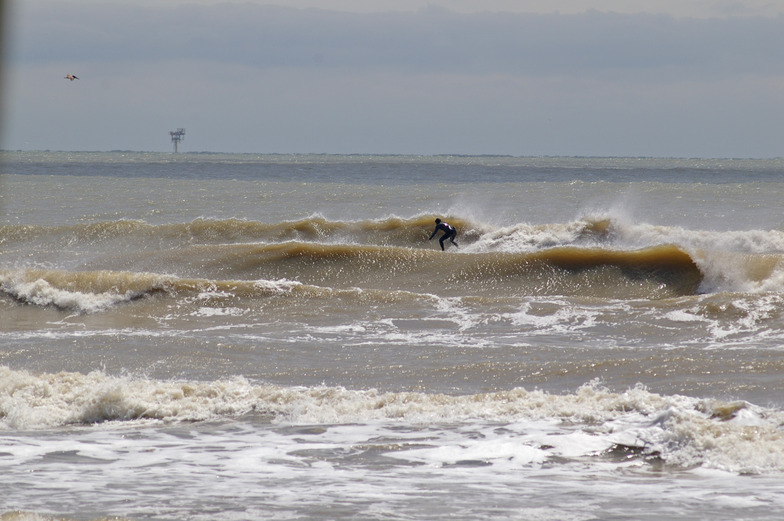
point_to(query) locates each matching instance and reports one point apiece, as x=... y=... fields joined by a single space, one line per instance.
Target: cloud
x=676 y=8
x=257 y=78
x=430 y=40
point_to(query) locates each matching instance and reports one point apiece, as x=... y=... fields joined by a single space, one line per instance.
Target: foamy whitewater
x=233 y=337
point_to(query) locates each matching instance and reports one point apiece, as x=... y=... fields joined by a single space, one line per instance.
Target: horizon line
x=385 y=154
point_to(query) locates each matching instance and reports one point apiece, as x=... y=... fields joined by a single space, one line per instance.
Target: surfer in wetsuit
x=449 y=233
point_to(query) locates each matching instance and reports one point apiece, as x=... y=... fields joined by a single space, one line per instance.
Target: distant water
x=230 y=337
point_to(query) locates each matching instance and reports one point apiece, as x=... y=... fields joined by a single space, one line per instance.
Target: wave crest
x=681 y=431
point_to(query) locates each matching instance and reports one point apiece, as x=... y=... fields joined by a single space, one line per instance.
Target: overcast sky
x=682 y=78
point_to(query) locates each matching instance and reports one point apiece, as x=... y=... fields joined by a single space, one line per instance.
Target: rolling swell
x=90 y=291
x=95 y=266
x=647 y=273
x=389 y=231
x=94 y=291
x=313 y=270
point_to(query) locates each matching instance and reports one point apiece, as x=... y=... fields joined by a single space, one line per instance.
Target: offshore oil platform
x=177 y=136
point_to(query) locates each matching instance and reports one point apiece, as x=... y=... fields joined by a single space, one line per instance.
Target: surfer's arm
x=433 y=234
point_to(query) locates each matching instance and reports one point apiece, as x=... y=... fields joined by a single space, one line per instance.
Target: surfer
x=449 y=233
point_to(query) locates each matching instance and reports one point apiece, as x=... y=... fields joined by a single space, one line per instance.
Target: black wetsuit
x=449 y=233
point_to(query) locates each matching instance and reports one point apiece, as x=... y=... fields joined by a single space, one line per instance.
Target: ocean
x=204 y=336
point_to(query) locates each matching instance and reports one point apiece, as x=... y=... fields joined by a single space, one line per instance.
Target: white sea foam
x=41 y=293
x=376 y=469
x=279 y=286
x=220 y=312
x=524 y=238
x=554 y=317
x=737 y=437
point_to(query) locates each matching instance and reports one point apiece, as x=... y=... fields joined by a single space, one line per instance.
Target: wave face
x=582 y=258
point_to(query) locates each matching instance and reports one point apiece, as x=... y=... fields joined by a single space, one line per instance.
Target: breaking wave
x=680 y=431
x=110 y=263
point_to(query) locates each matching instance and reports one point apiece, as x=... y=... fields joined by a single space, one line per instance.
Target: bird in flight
x=71 y=77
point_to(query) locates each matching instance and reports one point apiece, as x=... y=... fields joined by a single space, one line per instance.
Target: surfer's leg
x=452 y=237
x=441 y=241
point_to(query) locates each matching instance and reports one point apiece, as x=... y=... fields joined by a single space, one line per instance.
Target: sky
x=659 y=78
